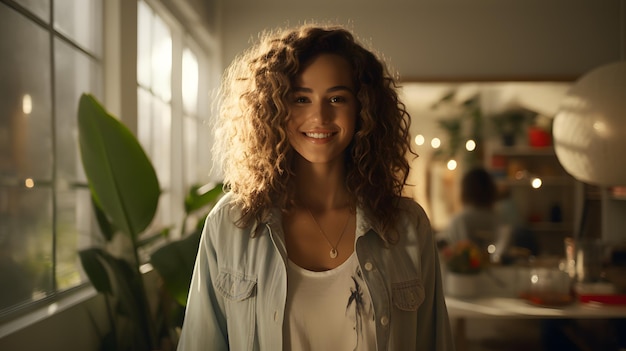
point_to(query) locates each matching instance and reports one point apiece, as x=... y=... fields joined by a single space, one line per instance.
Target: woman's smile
x=320 y=137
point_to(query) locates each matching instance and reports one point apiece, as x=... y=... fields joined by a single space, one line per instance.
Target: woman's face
x=322 y=109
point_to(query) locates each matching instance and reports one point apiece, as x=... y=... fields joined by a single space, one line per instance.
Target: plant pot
x=538 y=137
x=463 y=285
x=508 y=139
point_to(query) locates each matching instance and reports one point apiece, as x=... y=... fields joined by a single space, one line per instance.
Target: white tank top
x=329 y=310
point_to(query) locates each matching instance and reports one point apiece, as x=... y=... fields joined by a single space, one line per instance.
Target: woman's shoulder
x=227 y=215
x=224 y=212
x=226 y=205
x=411 y=207
x=221 y=223
x=412 y=213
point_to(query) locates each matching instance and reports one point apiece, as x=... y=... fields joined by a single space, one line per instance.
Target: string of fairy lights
x=470 y=146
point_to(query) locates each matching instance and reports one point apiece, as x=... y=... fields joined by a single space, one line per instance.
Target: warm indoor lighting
x=27 y=104
x=419 y=139
x=536 y=183
x=451 y=165
x=29 y=183
x=534 y=279
x=470 y=145
x=435 y=143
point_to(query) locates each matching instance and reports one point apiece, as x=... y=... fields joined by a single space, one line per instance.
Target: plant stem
x=145 y=306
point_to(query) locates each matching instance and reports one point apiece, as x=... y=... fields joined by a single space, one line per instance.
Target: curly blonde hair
x=251 y=138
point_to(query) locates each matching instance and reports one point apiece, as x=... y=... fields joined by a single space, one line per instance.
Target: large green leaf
x=106 y=228
x=175 y=262
x=121 y=177
x=95 y=269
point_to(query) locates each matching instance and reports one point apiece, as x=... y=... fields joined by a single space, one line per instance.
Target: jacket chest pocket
x=407 y=295
x=239 y=294
x=235 y=286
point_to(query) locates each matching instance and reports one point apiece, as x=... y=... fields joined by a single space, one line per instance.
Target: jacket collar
x=363 y=223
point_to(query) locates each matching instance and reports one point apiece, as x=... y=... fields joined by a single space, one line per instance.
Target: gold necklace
x=333 y=249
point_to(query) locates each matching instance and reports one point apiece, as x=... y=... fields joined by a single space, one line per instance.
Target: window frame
x=18 y=314
x=117 y=61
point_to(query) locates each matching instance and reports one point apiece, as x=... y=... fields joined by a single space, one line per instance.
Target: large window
x=154 y=93
x=51 y=53
x=171 y=76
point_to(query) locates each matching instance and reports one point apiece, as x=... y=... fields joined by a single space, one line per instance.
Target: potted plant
x=510 y=124
x=463 y=122
x=464 y=262
x=464 y=257
x=125 y=193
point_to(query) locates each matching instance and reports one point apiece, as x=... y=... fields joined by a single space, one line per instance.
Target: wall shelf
x=514 y=168
x=523 y=151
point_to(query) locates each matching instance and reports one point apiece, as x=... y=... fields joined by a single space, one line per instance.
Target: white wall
x=453 y=39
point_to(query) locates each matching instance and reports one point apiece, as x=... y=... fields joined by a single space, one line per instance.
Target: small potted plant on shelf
x=464 y=261
x=464 y=257
x=510 y=124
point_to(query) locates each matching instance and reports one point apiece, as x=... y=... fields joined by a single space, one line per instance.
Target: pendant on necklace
x=333 y=253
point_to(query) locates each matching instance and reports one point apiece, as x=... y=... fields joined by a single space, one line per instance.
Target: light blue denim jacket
x=239 y=286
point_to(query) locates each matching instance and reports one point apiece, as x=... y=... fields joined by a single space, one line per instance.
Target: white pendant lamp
x=590 y=127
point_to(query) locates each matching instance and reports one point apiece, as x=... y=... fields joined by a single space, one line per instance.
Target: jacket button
x=369 y=266
x=384 y=321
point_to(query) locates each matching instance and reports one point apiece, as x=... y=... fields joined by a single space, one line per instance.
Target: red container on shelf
x=538 y=137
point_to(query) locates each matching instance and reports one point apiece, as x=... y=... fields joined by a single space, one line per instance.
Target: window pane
x=40 y=208
x=25 y=103
x=190 y=82
x=203 y=148
x=161 y=60
x=144 y=44
x=144 y=120
x=41 y=8
x=80 y=75
x=74 y=228
x=162 y=131
x=190 y=150
x=81 y=21
x=25 y=244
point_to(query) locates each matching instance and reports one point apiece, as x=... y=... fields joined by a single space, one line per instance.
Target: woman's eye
x=335 y=99
x=300 y=100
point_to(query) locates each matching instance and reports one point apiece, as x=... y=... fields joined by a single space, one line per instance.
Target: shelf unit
x=603 y=213
x=549 y=209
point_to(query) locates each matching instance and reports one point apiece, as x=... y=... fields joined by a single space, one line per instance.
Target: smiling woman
x=314 y=234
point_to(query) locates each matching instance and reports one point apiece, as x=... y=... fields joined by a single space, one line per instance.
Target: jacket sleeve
x=204 y=326
x=434 y=332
